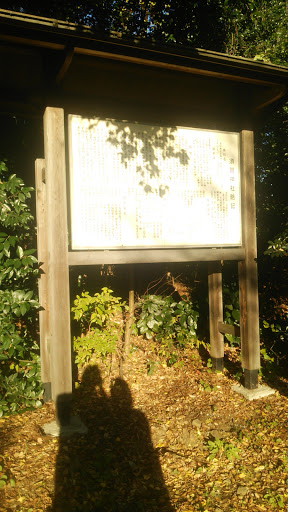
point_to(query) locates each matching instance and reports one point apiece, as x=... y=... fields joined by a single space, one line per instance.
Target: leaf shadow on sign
x=150 y=147
x=114 y=467
x=166 y=158
x=149 y=185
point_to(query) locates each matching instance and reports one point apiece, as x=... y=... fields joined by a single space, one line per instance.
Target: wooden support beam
x=58 y=270
x=215 y=314
x=129 y=256
x=248 y=279
x=69 y=52
x=229 y=329
x=42 y=253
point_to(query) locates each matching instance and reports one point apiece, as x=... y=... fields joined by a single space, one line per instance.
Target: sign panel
x=142 y=186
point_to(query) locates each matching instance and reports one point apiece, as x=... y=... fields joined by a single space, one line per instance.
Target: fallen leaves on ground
x=179 y=439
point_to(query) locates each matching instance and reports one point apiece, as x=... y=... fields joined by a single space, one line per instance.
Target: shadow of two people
x=114 y=467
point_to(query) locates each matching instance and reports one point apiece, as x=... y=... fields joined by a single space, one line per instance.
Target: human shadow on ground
x=114 y=467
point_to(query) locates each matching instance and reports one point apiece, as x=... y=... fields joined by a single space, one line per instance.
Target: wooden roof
x=51 y=62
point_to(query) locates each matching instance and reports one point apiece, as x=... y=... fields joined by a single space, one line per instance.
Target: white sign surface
x=138 y=186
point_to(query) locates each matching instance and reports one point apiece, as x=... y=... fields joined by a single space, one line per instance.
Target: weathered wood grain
x=248 y=279
x=42 y=254
x=58 y=270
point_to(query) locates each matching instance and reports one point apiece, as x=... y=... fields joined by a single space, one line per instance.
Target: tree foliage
x=271 y=149
x=256 y=29
x=19 y=360
x=251 y=28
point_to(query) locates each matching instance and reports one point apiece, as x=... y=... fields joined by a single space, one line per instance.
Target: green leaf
x=28 y=295
x=19 y=252
x=236 y=314
x=23 y=308
x=6 y=249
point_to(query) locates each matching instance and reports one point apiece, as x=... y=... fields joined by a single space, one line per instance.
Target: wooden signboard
x=144 y=186
x=123 y=176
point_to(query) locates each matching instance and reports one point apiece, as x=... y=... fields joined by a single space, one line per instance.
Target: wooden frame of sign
x=53 y=251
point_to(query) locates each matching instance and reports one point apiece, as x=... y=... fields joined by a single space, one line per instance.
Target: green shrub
x=163 y=318
x=231 y=310
x=278 y=248
x=100 y=319
x=274 y=331
x=20 y=385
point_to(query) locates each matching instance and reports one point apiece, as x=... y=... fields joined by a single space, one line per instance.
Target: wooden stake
x=130 y=317
x=58 y=270
x=215 y=314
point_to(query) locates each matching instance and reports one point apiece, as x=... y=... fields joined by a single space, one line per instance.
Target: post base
x=47 y=396
x=217 y=363
x=253 y=394
x=63 y=408
x=250 y=379
x=75 y=426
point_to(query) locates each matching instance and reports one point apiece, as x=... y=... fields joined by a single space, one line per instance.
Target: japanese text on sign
x=136 y=185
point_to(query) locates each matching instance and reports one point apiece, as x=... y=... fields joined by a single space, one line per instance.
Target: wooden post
x=58 y=270
x=215 y=314
x=130 y=317
x=42 y=252
x=248 y=280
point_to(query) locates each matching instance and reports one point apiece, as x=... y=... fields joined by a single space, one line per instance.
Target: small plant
x=166 y=350
x=209 y=363
x=274 y=500
x=275 y=334
x=206 y=387
x=283 y=460
x=218 y=447
x=151 y=366
x=268 y=363
x=5 y=478
x=100 y=318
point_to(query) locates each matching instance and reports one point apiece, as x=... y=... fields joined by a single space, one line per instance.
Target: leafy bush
x=272 y=323
x=278 y=248
x=20 y=386
x=100 y=318
x=231 y=310
x=163 y=318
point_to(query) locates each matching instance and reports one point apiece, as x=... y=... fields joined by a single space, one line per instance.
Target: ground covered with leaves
x=159 y=439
